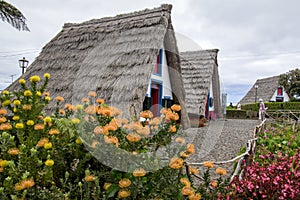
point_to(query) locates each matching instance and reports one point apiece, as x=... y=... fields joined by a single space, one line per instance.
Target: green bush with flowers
x=57 y=156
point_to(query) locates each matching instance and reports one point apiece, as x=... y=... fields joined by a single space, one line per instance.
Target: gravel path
x=221 y=140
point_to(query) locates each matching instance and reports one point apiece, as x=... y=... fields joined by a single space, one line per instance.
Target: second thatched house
x=201 y=82
x=267 y=89
x=121 y=58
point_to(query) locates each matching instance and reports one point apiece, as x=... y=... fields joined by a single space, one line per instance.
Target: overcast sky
x=256 y=38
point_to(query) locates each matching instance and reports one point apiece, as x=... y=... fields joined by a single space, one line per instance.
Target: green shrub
x=274 y=106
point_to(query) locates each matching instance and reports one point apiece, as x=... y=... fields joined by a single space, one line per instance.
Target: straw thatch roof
x=113 y=56
x=265 y=90
x=199 y=71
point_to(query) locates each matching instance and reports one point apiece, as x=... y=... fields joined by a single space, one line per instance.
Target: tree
x=13 y=16
x=291 y=82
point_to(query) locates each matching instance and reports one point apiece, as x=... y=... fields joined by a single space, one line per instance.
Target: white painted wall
x=164 y=79
x=286 y=97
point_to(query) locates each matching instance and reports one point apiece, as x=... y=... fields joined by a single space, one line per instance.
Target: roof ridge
x=202 y=50
x=163 y=7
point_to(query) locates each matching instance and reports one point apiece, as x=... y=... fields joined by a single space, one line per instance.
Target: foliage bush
x=57 y=155
x=273 y=106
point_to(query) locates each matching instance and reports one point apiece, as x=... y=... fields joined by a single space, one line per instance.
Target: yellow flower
x=47 y=119
x=176 y=107
x=6 y=103
x=123 y=193
x=79 y=107
x=22 y=81
x=214 y=183
x=180 y=140
x=35 y=79
x=47 y=98
x=220 y=171
x=106 y=186
x=17 y=102
x=172 y=129
x=75 y=121
x=89 y=178
x=26 y=107
x=15 y=110
x=48 y=145
x=185 y=182
x=38 y=93
x=18 y=187
x=78 y=141
x=195 y=196
x=30 y=123
x=27 y=93
x=124 y=183
x=3 y=111
x=42 y=142
x=3 y=163
x=59 y=98
x=5 y=92
x=208 y=164
x=194 y=170
x=133 y=137
x=92 y=94
x=176 y=163
x=46 y=75
x=190 y=148
x=49 y=162
x=19 y=125
x=146 y=114
x=186 y=191
x=139 y=172
x=54 y=132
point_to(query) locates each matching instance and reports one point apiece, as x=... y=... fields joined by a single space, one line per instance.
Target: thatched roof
x=113 y=56
x=199 y=71
x=265 y=90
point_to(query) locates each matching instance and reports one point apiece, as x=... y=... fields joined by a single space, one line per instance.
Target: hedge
x=241 y=114
x=274 y=106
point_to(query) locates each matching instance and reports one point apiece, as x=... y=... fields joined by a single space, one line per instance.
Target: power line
x=24 y=50
x=236 y=57
x=18 y=54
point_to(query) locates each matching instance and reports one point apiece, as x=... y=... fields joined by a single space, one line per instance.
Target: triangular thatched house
x=267 y=89
x=115 y=56
x=201 y=82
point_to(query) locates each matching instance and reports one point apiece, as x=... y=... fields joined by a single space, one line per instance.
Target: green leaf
x=112 y=190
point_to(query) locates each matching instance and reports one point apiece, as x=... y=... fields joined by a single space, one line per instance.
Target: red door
x=155 y=99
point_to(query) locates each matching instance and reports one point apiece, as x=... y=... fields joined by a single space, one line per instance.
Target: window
x=158 y=67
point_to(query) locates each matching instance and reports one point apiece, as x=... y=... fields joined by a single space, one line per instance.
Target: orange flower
x=100 y=101
x=172 y=116
x=220 y=171
x=176 y=163
x=133 y=126
x=180 y=140
x=92 y=94
x=1 y=169
x=13 y=151
x=26 y=107
x=89 y=178
x=105 y=112
x=193 y=170
x=195 y=196
x=2 y=119
x=27 y=183
x=186 y=191
x=42 y=142
x=112 y=140
x=208 y=164
x=62 y=112
x=172 y=129
x=115 y=111
x=39 y=127
x=214 y=183
x=139 y=172
x=184 y=155
x=190 y=148
x=5 y=127
x=163 y=111
x=146 y=114
x=144 y=131
x=18 y=187
x=47 y=94
x=90 y=110
x=94 y=144
x=123 y=193
x=124 y=183
x=3 y=111
x=155 y=121
x=59 y=98
x=185 y=182
x=133 y=137
x=176 y=107
x=85 y=100
x=54 y=132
